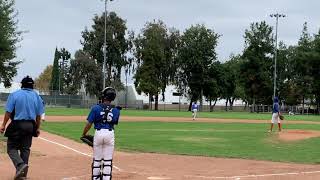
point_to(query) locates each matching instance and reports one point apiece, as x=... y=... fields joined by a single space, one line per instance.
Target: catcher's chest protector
x=106 y=114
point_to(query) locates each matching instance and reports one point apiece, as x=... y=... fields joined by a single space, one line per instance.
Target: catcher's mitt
x=88 y=139
x=281 y=117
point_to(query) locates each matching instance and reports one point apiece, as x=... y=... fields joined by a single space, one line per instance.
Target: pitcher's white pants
x=275 y=118
x=103 y=147
x=194 y=113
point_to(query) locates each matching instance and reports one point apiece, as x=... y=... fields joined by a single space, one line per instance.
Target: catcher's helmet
x=27 y=82
x=109 y=94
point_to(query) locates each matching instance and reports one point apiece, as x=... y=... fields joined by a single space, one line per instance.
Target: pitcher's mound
x=296 y=135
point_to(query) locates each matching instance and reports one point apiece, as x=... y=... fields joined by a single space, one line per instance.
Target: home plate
x=158 y=178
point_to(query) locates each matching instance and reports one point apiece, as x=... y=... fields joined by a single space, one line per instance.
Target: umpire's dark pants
x=19 y=142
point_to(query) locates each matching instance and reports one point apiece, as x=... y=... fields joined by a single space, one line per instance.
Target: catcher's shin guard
x=96 y=169
x=107 y=169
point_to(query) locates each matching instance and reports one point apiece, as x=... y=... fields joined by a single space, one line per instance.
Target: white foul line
x=204 y=177
x=67 y=147
x=76 y=177
x=254 y=176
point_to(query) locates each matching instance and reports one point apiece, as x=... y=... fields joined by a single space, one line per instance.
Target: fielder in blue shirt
x=24 y=107
x=275 y=114
x=194 y=110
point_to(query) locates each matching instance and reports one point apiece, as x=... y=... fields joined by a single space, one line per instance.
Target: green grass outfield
x=231 y=140
x=220 y=115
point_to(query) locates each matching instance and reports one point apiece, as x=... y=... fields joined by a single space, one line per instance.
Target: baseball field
x=169 y=145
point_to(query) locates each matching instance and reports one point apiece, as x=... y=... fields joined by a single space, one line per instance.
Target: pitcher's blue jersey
x=275 y=108
x=195 y=106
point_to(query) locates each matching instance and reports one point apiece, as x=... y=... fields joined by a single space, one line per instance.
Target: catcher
x=104 y=117
x=276 y=115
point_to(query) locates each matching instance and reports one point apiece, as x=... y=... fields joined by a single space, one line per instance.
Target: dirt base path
x=172 y=119
x=57 y=158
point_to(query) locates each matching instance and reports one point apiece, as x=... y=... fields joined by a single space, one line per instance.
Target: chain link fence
x=127 y=100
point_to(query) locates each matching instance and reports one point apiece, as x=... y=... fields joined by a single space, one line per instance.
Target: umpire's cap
x=109 y=94
x=27 y=82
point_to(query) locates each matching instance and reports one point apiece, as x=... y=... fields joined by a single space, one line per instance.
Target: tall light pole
x=126 y=97
x=277 y=16
x=104 y=48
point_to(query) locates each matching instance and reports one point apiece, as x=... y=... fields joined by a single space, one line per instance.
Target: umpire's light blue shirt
x=26 y=103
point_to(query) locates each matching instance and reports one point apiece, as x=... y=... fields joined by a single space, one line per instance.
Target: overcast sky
x=52 y=23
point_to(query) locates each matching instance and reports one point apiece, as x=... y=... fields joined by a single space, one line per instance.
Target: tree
x=83 y=71
x=42 y=82
x=63 y=70
x=196 y=54
x=169 y=67
x=54 y=83
x=287 y=87
x=232 y=87
x=117 y=46
x=315 y=69
x=256 y=69
x=212 y=90
x=9 y=37
x=155 y=53
x=302 y=66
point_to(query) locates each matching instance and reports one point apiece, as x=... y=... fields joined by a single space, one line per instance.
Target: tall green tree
x=302 y=66
x=286 y=79
x=227 y=82
x=315 y=70
x=63 y=70
x=54 y=83
x=232 y=87
x=257 y=67
x=156 y=49
x=117 y=46
x=212 y=89
x=82 y=72
x=196 y=54
x=170 y=64
x=9 y=37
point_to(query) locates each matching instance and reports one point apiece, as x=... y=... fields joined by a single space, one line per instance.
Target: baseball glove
x=88 y=139
x=281 y=117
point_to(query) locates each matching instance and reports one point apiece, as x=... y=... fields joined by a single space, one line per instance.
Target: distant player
x=194 y=110
x=275 y=114
x=104 y=117
x=291 y=113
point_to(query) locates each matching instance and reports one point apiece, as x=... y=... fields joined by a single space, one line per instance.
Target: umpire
x=24 y=107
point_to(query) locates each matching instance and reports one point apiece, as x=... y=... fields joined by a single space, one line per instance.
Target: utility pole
x=104 y=48
x=277 y=16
